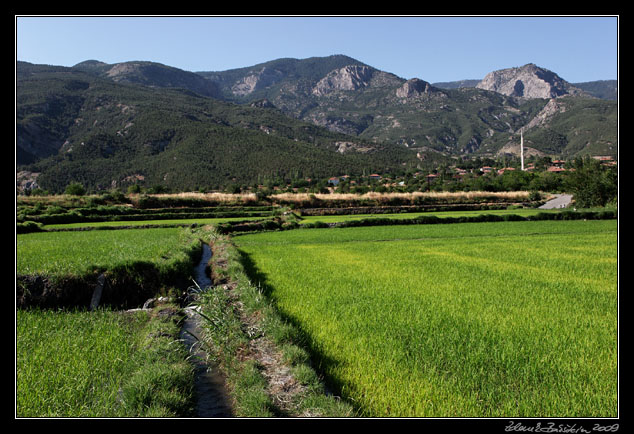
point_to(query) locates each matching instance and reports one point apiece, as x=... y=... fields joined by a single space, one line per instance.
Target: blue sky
x=577 y=48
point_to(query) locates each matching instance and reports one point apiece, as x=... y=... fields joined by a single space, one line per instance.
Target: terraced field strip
x=174 y=222
x=502 y=319
x=408 y=215
x=65 y=269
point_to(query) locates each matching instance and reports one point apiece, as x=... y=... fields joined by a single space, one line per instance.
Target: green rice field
x=79 y=252
x=83 y=379
x=98 y=363
x=501 y=319
x=102 y=363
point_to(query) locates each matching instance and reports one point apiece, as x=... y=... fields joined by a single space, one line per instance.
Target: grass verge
x=267 y=369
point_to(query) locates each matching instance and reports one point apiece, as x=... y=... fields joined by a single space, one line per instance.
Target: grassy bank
x=267 y=368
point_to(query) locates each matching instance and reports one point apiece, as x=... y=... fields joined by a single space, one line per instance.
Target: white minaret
x=522 y=147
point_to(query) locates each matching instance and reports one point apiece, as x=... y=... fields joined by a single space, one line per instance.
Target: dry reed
x=381 y=197
x=211 y=197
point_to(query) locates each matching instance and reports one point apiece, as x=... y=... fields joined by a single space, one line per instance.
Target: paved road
x=560 y=201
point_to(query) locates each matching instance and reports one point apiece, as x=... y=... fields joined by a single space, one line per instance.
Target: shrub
x=28 y=226
x=75 y=189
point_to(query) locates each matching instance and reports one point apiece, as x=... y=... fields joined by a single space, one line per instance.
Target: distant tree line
x=591 y=183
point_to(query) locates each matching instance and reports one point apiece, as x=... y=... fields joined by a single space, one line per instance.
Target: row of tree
x=591 y=183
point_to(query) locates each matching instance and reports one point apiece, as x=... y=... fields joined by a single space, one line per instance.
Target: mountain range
x=111 y=125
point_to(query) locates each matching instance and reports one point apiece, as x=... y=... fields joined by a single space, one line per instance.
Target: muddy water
x=212 y=399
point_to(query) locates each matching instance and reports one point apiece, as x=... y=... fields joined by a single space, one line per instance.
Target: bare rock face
x=542 y=118
x=412 y=88
x=119 y=71
x=256 y=80
x=246 y=85
x=351 y=77
x=528 y=81
x=26 y=180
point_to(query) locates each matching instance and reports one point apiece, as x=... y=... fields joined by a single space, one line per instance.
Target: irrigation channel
x=211 y=396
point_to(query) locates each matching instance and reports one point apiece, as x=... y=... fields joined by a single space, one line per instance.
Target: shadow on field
x=320 y=362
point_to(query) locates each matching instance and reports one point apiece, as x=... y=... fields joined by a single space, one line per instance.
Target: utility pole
x=522 y=147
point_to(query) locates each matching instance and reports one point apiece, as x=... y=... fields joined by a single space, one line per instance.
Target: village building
x=431 y=178
x=556 y=169
x=605 y=160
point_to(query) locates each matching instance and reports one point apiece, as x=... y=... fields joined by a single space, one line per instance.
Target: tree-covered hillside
x=105 y=134
x=288 y=119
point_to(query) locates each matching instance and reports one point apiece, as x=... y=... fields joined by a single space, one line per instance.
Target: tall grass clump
x=493 y=319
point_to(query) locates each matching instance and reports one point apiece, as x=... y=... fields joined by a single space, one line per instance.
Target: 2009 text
x=552 y=427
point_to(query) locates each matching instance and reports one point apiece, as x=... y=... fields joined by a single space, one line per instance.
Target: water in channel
x=212 y=399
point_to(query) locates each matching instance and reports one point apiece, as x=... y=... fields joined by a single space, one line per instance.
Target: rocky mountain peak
x=90 y=65
x=155 y=75
x=351 y=77
x=120 y=71
x=528 y=81
x=414 y=87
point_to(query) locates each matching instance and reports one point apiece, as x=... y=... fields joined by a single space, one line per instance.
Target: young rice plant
x=504 y=319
